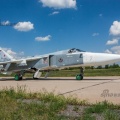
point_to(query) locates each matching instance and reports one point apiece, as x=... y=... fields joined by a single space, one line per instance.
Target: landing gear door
x=52 y=61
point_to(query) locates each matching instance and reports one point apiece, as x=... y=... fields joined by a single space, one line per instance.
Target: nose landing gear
x=80 y=76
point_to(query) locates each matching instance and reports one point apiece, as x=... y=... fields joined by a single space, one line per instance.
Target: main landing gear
x=80 y=76
x=19 y=76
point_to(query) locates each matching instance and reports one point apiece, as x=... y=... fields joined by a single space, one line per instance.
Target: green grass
x=98 y=108
x=110 y=115
x=88 y=117
x=17 y=104
x=87 y=72
x=74 y=72
x=103 y=72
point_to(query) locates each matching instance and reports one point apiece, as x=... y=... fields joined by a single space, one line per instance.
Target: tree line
x=104 y=67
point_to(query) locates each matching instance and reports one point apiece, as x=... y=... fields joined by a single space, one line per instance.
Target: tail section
x=4 y=56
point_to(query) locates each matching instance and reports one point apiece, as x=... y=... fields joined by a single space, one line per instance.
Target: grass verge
x=17 y=104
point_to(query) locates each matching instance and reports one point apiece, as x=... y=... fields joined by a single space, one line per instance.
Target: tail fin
x=4 y=56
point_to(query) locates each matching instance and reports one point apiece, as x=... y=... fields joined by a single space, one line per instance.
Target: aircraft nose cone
x=101 y=59
x=112 y=57
x=108 y=58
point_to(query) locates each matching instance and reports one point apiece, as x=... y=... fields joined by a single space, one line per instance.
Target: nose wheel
x=80 y=76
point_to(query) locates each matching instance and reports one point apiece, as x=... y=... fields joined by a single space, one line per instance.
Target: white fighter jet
x=52 y=61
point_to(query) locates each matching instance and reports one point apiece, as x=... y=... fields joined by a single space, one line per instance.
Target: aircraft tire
x=18 y=77
x=79 y=77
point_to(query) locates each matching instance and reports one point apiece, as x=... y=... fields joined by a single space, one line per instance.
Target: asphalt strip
x=87 y=87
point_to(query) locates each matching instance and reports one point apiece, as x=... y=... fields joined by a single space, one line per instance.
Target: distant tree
x=99 y=67
x=106 y=66
x=87 y=67
x=92 y=67
x=115 y=65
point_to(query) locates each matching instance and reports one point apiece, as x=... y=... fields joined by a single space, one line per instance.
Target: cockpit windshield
x=73 y=50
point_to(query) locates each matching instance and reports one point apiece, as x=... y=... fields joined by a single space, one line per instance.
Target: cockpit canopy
x=73 y=50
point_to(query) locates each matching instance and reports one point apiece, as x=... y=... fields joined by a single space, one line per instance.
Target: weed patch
x=17 y=104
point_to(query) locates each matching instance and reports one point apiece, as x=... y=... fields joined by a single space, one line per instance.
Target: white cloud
x=115 y=28
x=21 y=53
x=59 y=4
x=116 y=49
x=108 y=51
x=9 y=51
x=5 y=23
x=55 y=12
x=95 y=34
x=24 y=26
x=46 y=38
x=112 y=42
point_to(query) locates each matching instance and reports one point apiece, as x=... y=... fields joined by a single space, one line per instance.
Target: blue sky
x=44 y=26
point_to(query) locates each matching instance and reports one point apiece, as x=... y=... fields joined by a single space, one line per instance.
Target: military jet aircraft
x=52 y=61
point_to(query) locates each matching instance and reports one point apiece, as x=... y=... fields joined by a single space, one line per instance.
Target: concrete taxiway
x=92 y=89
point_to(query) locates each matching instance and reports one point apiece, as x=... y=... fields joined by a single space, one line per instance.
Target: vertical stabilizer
x=4 y=56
